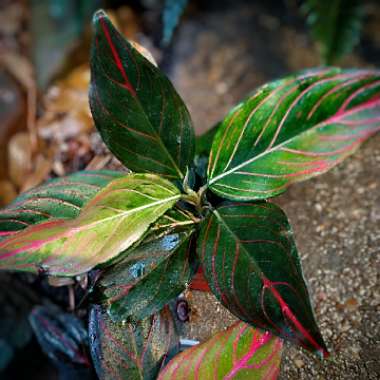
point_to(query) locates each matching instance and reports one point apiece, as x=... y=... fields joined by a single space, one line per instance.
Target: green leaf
x=150 y=276
x=240 y=352
x=293 y=129
x=203 y=142
x=335 y=25
x=131 y=351
x=250 y=261
x=136 y=109
x=110 y=223
x=58 y=198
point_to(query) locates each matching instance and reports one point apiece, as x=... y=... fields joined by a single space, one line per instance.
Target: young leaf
x=110 y=223
x=293 y=129
x=251 y=263
x=174 y=220
x=58 y=198
x=335 y=24
x=240 y=352
x=151 y=275
x=136 y=109
x=131 y=351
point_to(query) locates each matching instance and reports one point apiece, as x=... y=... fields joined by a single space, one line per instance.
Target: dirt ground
x=217 y=59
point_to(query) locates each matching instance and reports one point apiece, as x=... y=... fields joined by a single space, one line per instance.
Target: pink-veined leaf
x=250 y=261
x=136 y=109
x=58 y=198
x=240 y=352
x=293 y=129
x=131 y=351
x=111 y=222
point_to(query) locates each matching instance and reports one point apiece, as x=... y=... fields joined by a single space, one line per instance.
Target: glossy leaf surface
x=293 y=129
x=133 y=352
x=58 y=198
x=110 y=223
x=240 y=352
x=250 y=261
x=136 y=109
x=151 y=275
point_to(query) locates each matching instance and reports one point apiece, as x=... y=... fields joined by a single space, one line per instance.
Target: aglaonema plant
x=146 y=233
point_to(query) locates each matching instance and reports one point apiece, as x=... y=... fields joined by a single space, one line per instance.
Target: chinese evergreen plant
x=141 y=236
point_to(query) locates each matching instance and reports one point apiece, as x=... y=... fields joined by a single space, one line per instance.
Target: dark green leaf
x=293 y=129
x=58 y=198
x=136 y=109
x=131 y=351
x=335 y=25
x=240 y=352
x=151 y=275
x=203 y=142
x=250 y=260
x=111 y=222
x=203 y=145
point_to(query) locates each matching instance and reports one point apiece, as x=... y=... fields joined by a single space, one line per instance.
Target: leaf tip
x=99 y=15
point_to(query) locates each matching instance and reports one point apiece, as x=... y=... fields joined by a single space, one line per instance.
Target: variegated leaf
x=151 y=275
x=136 y=109
x=250 y=261
x=293 y=129
x=131 y=351
x=240 y=352
x=110 y=223
x=58 y=198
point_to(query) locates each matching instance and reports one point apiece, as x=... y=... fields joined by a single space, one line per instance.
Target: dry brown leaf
x=7 y=192
x=99 y=162
x=22 y=70
x=67 y=113
x=41 y=171
x=19 y=157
